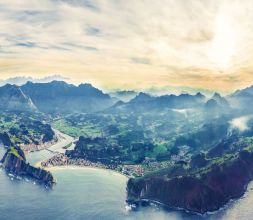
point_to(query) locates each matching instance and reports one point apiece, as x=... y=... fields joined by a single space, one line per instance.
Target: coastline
x=76 y=167
x=73 y=167
x=230 y=202
x=115 y=172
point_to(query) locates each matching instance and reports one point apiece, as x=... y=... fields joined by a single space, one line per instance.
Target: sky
x=131 y=44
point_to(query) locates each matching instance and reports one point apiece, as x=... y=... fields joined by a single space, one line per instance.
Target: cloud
x=21 y=80
x=240 y=123
x=81 y=3
x=93 y=31
x=25 y=44
x=112 y=42
x=140 y=60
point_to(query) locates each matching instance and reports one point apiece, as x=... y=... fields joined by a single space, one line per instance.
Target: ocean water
x=86 y=193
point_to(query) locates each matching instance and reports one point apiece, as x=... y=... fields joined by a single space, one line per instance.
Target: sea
x=92 y=194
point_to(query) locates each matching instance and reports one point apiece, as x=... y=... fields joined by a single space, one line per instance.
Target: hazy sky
x=130 y=43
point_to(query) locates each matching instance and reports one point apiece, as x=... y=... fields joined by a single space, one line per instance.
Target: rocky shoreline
x=202 y=193
x=14 y=163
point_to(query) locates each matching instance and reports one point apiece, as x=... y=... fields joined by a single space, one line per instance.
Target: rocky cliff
x=208 y=189
x=5 y=139
x=14 y=162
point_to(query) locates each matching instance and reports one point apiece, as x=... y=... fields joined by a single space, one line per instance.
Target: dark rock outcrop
x=5 y=139
x=14 y=162
x=200 y=192
x=198 y=161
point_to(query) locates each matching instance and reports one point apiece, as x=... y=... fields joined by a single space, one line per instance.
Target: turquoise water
x=90 y=194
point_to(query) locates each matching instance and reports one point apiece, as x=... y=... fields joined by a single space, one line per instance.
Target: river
x=92 y=194
x=63 y=140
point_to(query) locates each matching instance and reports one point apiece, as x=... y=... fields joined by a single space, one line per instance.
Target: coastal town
x=61 y=159
x=129 y=170
x=31 y=147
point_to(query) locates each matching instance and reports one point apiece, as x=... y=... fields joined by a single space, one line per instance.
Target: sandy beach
x=73 y=167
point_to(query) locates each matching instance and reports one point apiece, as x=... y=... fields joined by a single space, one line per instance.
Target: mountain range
x=56 y=97
x=59 y=97
x=241 y=99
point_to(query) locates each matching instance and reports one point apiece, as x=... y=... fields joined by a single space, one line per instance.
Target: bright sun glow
x=224 y=43
x=187 y=43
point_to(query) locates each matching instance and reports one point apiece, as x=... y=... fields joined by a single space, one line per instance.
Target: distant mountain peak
x=185 y=95
x=88 y=89
x=10 y=89
x=211 y=103
x=199 y=95
x=60 y=97
x=13 y=98
x=143 y=94
x=243 y=92
x=124 y=95
x=220 y=100
x=118 y=103
x=216 y=95
x=58 y=82
x=86 y=85
x=142 y=97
